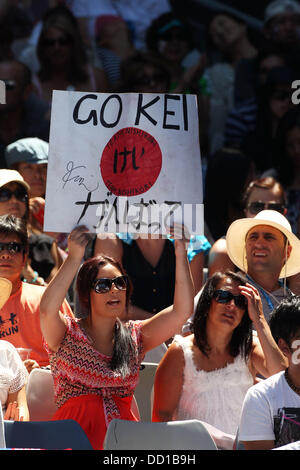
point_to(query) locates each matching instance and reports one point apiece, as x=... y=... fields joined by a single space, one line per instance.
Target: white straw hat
x=236 y=240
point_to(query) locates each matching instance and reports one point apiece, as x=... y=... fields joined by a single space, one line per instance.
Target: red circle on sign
x=131 y=162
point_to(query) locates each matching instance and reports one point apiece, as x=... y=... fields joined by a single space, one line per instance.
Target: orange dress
x=86 y=389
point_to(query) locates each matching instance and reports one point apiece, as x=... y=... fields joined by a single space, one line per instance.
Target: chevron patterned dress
x=86 y=389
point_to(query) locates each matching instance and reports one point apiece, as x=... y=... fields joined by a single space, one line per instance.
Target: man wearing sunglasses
x=19 y=317
x=265 y=248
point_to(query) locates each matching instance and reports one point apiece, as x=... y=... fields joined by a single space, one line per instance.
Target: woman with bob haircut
x=95 y=359
x=206 y=374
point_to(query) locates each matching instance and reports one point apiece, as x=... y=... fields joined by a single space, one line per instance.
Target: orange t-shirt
x=20 y=321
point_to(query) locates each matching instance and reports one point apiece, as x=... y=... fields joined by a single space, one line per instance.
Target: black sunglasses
x=257 y=206
x=103 y=285
x=224 y=296
x=59 y=41
x=11 y=247
x=9 y=84
x=7 y=194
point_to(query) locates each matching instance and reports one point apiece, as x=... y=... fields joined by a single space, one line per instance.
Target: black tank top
x=153 y=287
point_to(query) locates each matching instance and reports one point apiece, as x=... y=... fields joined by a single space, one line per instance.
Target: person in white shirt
x=270 y=416
x=13 y=378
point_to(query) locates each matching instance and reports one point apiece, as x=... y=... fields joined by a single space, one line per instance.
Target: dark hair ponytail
x=123 y=349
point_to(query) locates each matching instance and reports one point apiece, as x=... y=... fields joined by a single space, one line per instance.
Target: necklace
x=266 y=294
x=290 y=383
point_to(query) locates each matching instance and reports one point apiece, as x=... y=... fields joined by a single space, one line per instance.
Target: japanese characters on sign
x=124 y=163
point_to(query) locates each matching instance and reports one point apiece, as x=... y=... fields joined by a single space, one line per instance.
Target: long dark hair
x=123 y=347
x=241 y=340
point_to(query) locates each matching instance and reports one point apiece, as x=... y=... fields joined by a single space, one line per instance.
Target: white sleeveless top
x=215 y=397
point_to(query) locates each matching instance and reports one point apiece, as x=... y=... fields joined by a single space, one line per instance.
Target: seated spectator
x=271 y=411
x=64 y=62
x=143 y=73
x=19 y=317
x=223 y=190
x=256 y=120
x=266 y=250
x=260 y=194
x=251 y=74
x=24 y=114
x=43 y=260
x=281 y=26
x=229 y=41
x=206 y=375
x=113 y=45
x=280 y=34
x=273 y=102
x=29 y=157
x=13 y=379
x=95 y=361
x=170 y=39
x=13 y=374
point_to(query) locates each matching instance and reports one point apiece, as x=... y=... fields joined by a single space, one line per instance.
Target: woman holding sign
x=95 y=360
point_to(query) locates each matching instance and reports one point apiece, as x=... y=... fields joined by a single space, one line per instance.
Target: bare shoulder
x=219 y=246
x=218 y=259
x=172 y=355
x=175 y=350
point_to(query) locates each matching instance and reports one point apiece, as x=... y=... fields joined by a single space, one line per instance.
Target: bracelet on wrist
x=33 y=281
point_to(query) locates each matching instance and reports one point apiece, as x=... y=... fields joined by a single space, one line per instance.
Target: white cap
x=281 y=6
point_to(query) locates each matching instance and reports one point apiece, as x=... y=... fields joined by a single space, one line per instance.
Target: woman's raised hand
x=77 y=241
x=255 y=309
x=181 y=236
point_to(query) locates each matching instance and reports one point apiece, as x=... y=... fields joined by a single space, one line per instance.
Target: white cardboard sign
x=123 y=163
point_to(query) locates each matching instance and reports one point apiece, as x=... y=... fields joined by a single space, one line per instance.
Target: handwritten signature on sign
x=72 y=174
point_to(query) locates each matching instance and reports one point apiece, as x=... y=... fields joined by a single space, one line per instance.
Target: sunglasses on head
x=9 y=84
x=256 y=206
x=11 y=247
x=103 y=285
x=59 y=41
x=224 y=297
x=7 y=194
